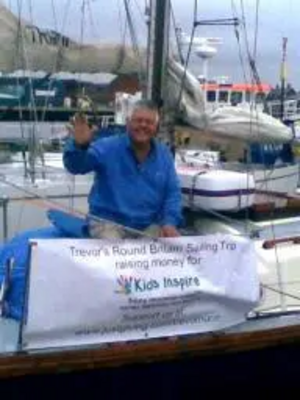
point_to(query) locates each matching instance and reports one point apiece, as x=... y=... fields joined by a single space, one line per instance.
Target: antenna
x=204 y=47
x=206 y=52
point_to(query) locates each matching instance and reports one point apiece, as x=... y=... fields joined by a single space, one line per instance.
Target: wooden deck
x=150 y=351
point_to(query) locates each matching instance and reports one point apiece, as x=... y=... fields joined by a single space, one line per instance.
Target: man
x=135 y=183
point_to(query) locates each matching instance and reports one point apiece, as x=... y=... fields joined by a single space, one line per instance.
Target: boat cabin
x=224 y=94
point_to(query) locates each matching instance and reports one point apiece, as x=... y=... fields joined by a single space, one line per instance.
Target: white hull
x=215 y=189
x=272 y=185
x=276 y=185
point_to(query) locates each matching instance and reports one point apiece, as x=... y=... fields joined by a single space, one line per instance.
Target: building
x=26 y=89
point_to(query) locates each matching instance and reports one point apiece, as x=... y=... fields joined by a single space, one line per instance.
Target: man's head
x=143 y=122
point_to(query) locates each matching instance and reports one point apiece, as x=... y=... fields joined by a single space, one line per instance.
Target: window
x=236 y=97
x=260 y=97
x=248 y=96
x=12 y=90
x=211 y=96
x=223 y=96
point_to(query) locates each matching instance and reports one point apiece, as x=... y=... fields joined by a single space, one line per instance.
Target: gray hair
x=145 y=104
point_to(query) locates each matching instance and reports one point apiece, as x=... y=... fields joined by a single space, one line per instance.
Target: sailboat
x=207 y=181
x=253 y=334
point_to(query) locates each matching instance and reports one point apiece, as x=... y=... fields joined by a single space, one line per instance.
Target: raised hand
x=83 y=133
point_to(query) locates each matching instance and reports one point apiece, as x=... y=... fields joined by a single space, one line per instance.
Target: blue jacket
x=125 y=191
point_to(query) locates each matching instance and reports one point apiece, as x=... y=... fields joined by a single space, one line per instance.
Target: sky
x=104 y=22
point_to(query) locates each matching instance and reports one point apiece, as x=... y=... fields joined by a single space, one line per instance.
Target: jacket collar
x=128 y=144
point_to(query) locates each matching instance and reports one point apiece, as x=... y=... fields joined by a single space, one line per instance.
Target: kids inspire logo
x=129 y=285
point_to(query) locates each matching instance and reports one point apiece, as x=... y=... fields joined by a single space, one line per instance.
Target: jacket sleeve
x=172 y=207
x=79 y=159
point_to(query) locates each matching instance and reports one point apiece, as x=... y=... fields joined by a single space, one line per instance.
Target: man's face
x=142 y=126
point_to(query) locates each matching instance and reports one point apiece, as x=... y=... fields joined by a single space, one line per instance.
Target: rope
x=193 y=187
x=281 y=292
x=188 y=55
x=177 y=36
x=237 y=36
x=134 y=39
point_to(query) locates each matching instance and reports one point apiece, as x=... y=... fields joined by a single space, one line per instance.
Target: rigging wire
x=20 y=110
x=33 y=109
x=281 y=292
x=245 y=31
x=256 y=79
x=34 y=146
x=30 y=10
x=237 y=36
x=123 y=29
x=91 y=18
x=139 y=9
x=27 y=168
x=242 y=62
x=134 y=40
x=177 y=36
x=56 y=62
x=82 y=21
x=56 y=66
x=251 y=58
x=186 y=64
x=256 y=29
x=56 y=59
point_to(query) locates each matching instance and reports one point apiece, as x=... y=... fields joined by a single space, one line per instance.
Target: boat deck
x=257 y=354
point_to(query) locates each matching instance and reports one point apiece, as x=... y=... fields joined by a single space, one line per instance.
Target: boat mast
x=158 y=48
x=283 y=78
x=158 y=52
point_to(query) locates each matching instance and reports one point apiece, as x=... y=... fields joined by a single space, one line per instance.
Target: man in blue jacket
x=135 y=184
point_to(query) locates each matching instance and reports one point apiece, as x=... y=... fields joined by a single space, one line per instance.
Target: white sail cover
x=232 y=121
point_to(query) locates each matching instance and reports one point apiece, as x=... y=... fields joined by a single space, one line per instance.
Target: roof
x=263 y=87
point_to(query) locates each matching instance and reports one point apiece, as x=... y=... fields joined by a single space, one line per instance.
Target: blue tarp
x=63 y=226
x=268 y=154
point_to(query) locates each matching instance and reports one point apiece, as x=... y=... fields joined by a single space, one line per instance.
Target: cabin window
x=236 y=97
x=211 y=96
x=260 y=97
x=248 y=96
x=223 y=96
x=12 y=90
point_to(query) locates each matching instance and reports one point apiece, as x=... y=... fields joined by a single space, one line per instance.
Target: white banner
x=93 y=291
